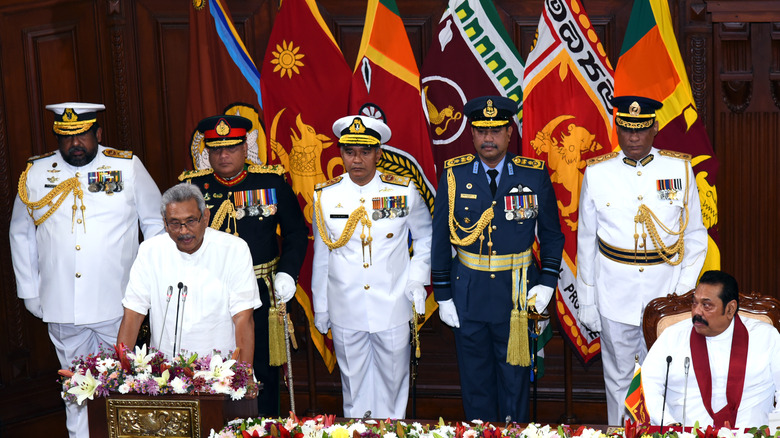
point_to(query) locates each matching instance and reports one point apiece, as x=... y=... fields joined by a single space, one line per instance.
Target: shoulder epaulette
x=457 y=161
x=395 y=179
x=600 y=158
x=328 y=183
x=674 y=154
x=272 y=168
x=530 y=163
x=38 y=157
x=116 y=153
x=189 y=174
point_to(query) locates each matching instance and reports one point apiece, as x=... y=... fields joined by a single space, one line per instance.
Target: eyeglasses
x=189 y=223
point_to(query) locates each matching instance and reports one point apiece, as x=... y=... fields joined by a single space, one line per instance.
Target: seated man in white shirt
x=734 y=375
x=198 y=284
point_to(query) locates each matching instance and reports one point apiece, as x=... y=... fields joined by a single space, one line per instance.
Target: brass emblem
x=357 y=126
x=468 y=185
x=198 y=4
x=52 y=179
x=490 y=110
x=222 y=128
x=635 y=109
x=69 y=115
x=103 y=167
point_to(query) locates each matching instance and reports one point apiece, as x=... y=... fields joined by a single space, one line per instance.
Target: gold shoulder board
x=38 y=157
x=600 y=158
x=328 y=183
x=272 y=168
x=528 y=162
x=116 y=153
x=457 y=161
x=189 y=174
x=674 y=154
x=395 y=179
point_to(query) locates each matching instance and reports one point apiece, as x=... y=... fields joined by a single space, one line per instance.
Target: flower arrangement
x=324 y=426
x=150 y=372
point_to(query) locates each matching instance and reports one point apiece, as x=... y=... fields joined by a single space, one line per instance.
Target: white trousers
x=620 y=343
x=374 y=371
x=72 y=341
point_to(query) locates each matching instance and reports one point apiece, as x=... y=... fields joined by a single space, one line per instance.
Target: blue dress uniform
x=252 y=205
x=492 y=388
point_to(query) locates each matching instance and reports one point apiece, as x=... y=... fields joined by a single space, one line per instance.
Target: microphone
x=165 y=316
x=176 y=324
x=183 y=303
x=666 y=383
x=685 y=396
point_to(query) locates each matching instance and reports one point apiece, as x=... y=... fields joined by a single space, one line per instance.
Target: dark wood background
x=132 y=56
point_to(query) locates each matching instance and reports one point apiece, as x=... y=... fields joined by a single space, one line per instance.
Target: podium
x=180 y=416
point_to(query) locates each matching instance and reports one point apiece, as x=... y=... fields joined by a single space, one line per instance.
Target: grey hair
x=182 y=192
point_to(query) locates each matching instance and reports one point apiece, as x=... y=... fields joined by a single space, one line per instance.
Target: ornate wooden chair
x=665 y=311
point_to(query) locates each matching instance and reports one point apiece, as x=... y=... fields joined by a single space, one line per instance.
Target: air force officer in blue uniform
x=491 y=207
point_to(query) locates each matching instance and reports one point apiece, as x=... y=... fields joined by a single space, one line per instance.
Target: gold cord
x=226 y=210
x=62 y=189
x=648 y=220
x=359 y=215
x=473 y=232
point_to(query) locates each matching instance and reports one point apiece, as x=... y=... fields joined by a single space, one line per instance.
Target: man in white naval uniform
x=719 y=345
x=640 y=236
x=363 y=280
x=74 y=235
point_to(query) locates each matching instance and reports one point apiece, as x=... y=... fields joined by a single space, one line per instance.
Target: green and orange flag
x=650 y=65
x=635 y=398
x=305 y=84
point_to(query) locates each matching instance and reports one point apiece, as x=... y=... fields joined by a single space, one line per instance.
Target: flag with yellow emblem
x=305 y=84
x=567 y=119
x=650 y=65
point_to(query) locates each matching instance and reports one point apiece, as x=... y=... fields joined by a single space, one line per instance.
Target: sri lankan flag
x=650 y=65
x=635 y=398
x=386 y=85
x=222 y=78
x=305 y=84
x=567 y=120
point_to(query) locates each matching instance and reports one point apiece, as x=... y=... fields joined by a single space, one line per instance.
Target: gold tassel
x=517 y=351
x=276 y=350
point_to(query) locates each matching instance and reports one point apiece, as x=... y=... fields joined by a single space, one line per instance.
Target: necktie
x=493 y=173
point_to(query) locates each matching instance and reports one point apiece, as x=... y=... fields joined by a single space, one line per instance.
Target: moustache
x=77 y=149
x=699 y=318
x=181 y=237
x=489 y=144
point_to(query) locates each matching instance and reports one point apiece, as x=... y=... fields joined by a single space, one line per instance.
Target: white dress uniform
x=612 y=268
x=220 y=283
x=762 y=375
x=363 y=287
x=77 y=263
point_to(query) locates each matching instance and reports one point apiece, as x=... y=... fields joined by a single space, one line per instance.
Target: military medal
x=105 y=181
x=255 y=203
x=520 y=204
x=668 y=189
x=389 y=207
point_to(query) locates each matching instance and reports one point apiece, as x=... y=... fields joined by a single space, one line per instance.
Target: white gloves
x=322 y=322
x=448 y=313
x=415 y=292
x=34 y=306
x=542 y=294
x=589 y=317
x=284 y=287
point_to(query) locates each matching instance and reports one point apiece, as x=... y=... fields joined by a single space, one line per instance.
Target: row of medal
x=520 y=204
x=668 y=189
x=253 y=203
x=109 y=181
x=389 y=207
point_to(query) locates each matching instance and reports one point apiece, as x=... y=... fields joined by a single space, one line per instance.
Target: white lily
x=162 y=381
x=85 y=388
x=141 y=360
x=217 y=369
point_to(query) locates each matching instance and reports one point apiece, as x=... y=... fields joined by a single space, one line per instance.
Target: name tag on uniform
x=468 y=195
x=339 y=216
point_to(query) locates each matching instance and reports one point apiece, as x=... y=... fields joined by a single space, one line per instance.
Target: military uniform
x=252 y=205
x=614 y=271
x=480 y=278
x=361 y=285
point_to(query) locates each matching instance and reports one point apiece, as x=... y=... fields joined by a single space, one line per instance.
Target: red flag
x=305 y=83
x=222 y=78
x=650 y=65
x=573 y=70
x=471 y=55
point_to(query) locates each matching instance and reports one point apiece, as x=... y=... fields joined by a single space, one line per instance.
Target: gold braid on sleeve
x=226 y=210
x=62 y=189
x=359 y=215
x=473 y=232
x=648 y=219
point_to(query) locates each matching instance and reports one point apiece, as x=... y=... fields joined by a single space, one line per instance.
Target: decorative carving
x=698 y=12
x=114 y=7
x=699 y=75
x=119 y=71
x=736 y=74
x=151 y=417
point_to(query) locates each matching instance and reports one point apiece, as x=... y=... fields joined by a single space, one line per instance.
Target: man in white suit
x=364 y=281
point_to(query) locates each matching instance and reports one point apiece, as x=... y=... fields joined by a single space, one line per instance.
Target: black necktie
x=493 y=186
